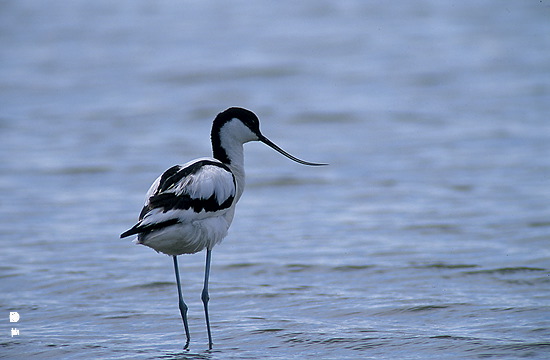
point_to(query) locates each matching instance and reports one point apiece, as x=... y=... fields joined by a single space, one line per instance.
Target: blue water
x=427 y=237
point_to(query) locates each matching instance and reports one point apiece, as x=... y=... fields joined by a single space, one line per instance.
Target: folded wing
x=197 y=190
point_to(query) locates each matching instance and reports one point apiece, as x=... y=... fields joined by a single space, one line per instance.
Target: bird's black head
x=241 y=126
x=235 y=123
x=247 y=117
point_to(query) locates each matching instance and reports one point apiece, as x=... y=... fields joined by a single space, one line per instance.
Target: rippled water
x=428 y=236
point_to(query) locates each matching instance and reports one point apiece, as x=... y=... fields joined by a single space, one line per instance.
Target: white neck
x=227 y=146
x=235 y=153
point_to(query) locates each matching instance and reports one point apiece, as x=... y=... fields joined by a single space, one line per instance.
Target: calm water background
x=428 y=237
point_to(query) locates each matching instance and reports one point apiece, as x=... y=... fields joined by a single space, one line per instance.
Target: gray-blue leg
x=182 y=305
x=205 y=297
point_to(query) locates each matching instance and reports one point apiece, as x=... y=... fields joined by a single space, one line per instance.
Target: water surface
x=426 y=238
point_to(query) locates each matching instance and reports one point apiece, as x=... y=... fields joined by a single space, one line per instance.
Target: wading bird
x=190 y=207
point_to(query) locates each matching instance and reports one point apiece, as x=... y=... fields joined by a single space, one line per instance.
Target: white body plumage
x=198 y=226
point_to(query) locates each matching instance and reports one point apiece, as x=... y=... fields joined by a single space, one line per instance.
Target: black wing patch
x=165 y=197
x=171 y=201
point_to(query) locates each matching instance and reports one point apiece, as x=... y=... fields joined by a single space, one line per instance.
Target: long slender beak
x=275 y=147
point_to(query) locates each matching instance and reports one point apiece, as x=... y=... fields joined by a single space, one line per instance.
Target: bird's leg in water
x=182 y=305
x=205 y=297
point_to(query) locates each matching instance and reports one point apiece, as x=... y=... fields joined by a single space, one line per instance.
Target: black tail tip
x=127 y=233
